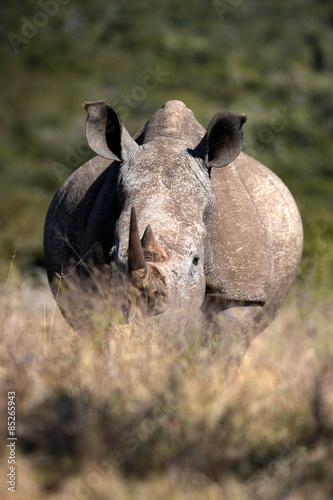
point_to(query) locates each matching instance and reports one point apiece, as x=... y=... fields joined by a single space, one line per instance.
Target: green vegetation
x=273 y=61
x=128 y=413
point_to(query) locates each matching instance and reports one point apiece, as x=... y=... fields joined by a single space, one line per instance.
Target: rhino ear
x=224 y=139
x=105 y=133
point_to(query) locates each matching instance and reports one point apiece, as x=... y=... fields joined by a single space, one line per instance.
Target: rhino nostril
x=195 y=260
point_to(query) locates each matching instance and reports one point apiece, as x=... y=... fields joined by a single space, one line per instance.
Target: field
x=135 y=412
x=131 y=412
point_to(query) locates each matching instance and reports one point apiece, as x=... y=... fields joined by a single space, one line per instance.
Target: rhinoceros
x=199 y=228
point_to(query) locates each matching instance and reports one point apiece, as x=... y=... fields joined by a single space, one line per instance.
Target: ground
x=128 y=412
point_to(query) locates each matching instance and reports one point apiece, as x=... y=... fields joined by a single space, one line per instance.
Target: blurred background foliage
x=271 y=60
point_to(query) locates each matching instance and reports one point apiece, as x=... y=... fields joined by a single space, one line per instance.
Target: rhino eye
x=195 y=260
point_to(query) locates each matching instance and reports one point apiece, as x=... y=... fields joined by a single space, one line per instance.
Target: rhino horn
x=152 y=249
x=136 y=264
x=146 y=277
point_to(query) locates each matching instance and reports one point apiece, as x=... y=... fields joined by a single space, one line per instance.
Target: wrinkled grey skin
x=228 y=231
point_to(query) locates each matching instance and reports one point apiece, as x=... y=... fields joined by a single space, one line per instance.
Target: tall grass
x=134 y=412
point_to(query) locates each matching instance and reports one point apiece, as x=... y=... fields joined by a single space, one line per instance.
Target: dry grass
x=131 y=412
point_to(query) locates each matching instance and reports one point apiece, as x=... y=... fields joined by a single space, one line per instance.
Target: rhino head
x=165 y=197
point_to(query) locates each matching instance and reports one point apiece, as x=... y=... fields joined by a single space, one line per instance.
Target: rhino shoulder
x=277 y=210
x=69 y=212
x=256 y=233
x=77 y=185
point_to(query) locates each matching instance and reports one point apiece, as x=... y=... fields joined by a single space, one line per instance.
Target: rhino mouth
x=222 y=300
x=228 y=303
x=215 y=302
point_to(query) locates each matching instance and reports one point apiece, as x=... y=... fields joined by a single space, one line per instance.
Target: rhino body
x=196 y=225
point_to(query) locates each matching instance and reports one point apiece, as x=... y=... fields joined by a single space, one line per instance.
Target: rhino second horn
x=135 y=259
x=152 y=249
